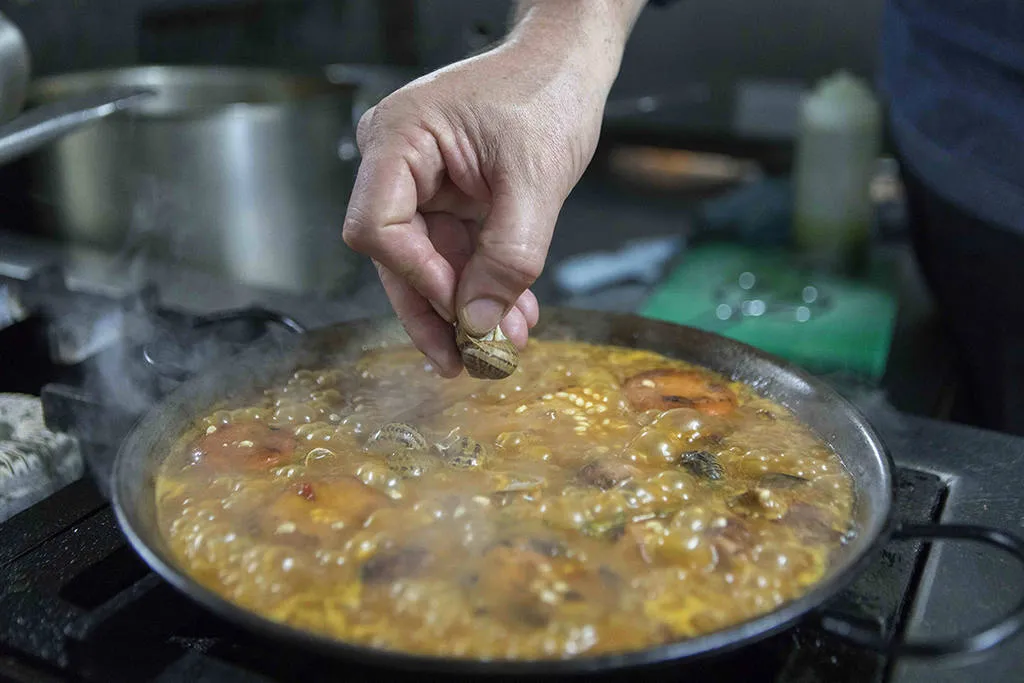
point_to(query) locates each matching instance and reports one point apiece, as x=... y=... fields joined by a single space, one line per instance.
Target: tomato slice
x=243 y=447
x=321 y=508
x=667 y=389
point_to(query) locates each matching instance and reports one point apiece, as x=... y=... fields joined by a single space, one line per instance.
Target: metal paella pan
x=812 y=402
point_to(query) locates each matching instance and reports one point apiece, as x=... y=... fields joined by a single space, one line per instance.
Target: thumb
x=509 y=257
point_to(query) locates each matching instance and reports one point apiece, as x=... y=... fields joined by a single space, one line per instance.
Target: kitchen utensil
x=824 y=410
x=35 y=128
x=43 y=124
x=234 y=170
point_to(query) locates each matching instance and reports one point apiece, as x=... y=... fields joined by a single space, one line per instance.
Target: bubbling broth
x=600 y=499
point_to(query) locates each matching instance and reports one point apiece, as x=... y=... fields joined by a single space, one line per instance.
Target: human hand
x=464 y=172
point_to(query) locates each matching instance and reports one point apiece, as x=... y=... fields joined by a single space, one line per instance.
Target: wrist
x=586 y=35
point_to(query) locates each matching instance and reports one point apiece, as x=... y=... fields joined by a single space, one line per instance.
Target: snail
x=491 y=356
x=460 y=451
x=396 y=435
x=409 y=453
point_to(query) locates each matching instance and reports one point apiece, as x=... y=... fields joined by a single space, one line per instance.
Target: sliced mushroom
x=606 y=473
x=731 y=539
x=759 y=502
x=781 y=480
x=547 y=547
x=389 y=566
x=542 y=545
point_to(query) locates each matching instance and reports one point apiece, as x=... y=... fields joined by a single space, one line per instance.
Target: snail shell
x=404 y=447
x=410 y=463
x=396 y=436
x=461 y=452
x=492 y=356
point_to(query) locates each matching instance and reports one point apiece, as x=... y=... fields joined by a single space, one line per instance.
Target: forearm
x=616 y=17
x=594 y=31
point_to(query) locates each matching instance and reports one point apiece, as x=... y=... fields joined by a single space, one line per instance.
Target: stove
x=76 y=603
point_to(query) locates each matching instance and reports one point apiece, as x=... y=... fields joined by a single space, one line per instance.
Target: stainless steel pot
x=237 y=171
x=20 y=135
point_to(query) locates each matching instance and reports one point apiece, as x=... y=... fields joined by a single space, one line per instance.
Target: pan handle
x=983 y=638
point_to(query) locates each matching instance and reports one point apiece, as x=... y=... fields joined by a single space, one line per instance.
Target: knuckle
x=364 y=128
x=413 y=268
x=357 y=232
x=418 y=142
x=513 y=265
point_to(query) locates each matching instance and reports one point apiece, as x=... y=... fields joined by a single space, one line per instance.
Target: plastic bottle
x=837 y=151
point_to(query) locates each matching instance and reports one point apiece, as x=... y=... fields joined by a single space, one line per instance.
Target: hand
x=464 y=172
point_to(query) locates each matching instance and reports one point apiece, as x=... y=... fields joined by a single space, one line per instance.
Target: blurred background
x=225 y=186
x=174 y=175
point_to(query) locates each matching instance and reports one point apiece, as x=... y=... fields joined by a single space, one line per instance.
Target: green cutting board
x=823 y=322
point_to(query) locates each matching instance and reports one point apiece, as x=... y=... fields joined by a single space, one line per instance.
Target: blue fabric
x=953 y=77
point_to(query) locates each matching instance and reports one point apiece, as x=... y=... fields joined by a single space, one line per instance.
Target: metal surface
x=242 y=172
x=820 y=407
x=998 y=629
x=15 y=67
x=41 y=125
x=960 y=586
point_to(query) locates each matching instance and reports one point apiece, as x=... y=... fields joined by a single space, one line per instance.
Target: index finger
x=383 y=222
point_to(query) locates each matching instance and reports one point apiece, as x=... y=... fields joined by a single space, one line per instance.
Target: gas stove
x=76 y=603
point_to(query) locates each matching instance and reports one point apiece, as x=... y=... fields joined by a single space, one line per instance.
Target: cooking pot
x=20 y=135
x=818 y=406
x=244 y=172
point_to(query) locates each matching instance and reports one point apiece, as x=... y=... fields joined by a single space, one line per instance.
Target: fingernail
x=482 y=315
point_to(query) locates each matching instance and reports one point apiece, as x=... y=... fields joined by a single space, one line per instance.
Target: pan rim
x=708 y=645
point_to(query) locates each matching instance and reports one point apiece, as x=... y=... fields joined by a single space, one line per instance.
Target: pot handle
x=46 y=123
x=985 y=637
x=254 y=314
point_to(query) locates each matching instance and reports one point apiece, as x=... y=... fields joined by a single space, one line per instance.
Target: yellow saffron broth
x=601 y=499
